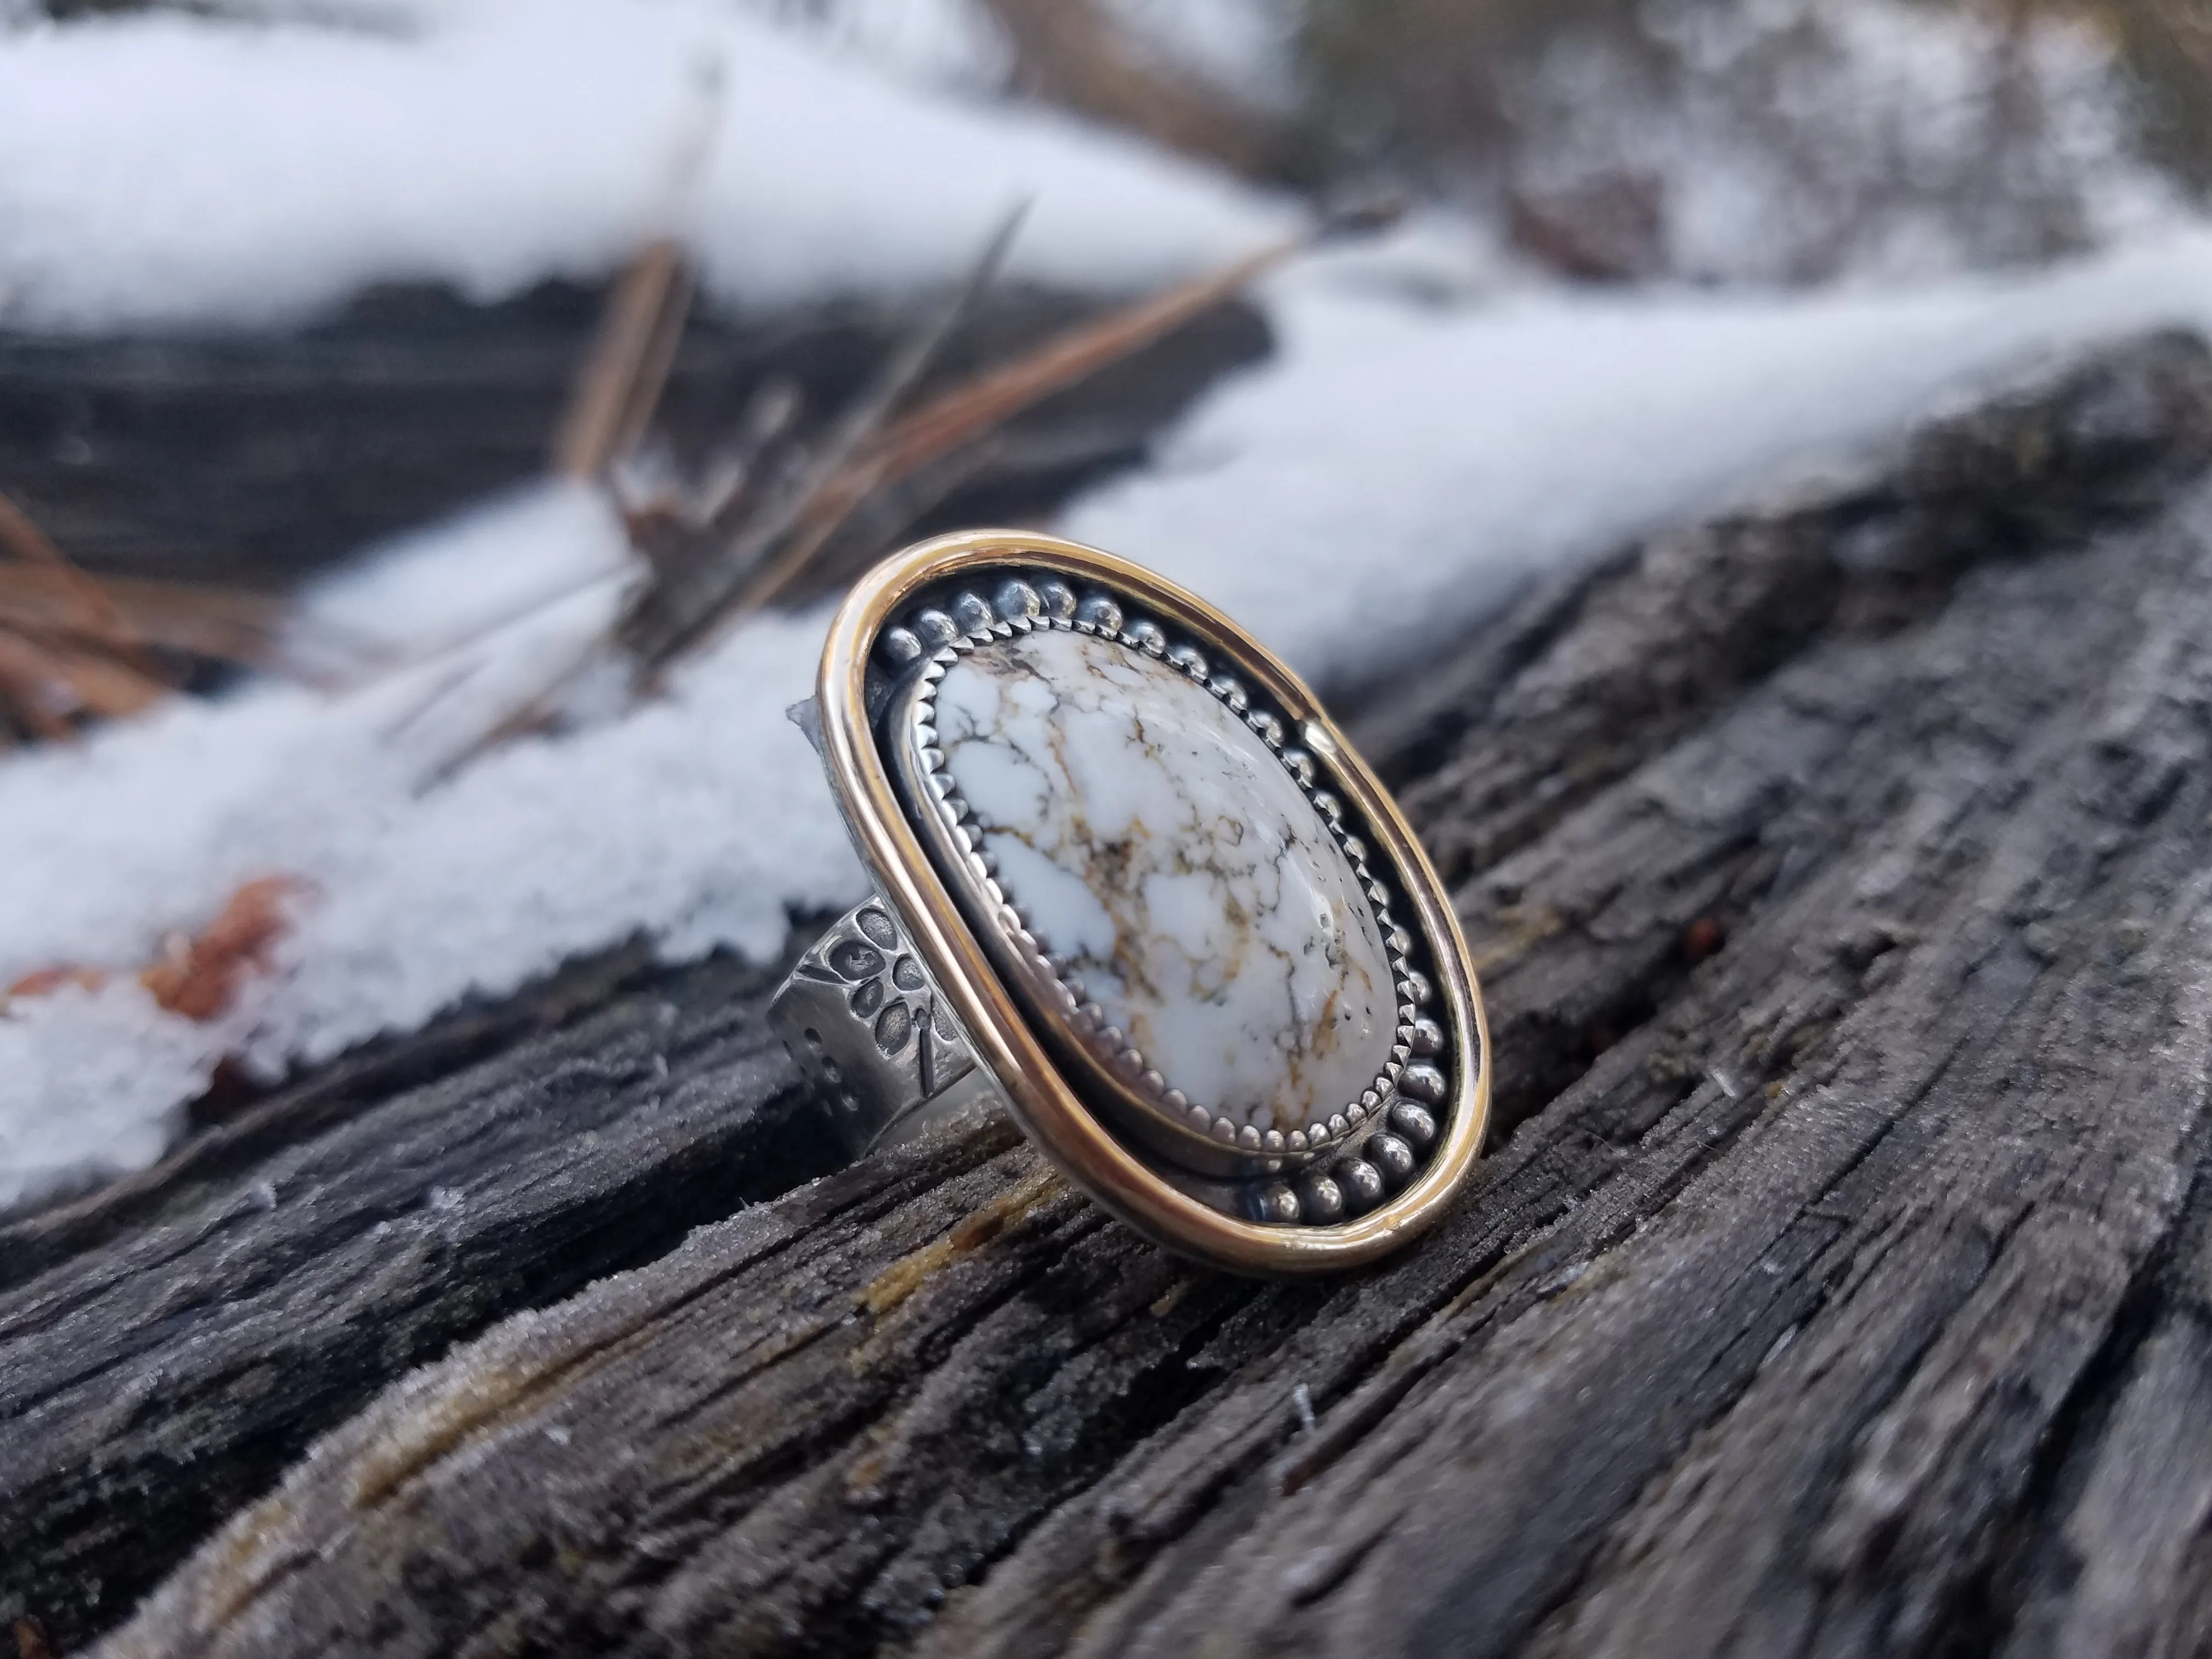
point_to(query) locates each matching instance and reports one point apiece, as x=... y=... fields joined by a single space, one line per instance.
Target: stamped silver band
x=872 y=1033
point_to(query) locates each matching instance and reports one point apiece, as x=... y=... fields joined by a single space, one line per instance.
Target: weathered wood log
x=1838 y=1281
x=193 y=1330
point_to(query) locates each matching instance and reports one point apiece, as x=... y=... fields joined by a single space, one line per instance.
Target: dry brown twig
x=767 y=558
x=785 y=525
x=1077 y=54
x=689 y=578
x=23 y=538
x=82 y=657
x=791 y=494
x=978 y=407
x=74 y=646
x=627 y=366
x=203 y=622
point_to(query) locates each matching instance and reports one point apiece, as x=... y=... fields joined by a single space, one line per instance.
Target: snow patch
x=165 y=169
x=93 y=1082
x=433 y=588
x=695 y=821
x=1398 y=467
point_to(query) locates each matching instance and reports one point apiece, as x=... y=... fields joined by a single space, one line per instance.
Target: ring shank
x=874 y=1036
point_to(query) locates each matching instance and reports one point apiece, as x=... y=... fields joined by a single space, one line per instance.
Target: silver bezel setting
x=1328 y=1171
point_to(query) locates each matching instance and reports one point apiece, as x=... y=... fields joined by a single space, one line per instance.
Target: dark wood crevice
x=1835 y=1285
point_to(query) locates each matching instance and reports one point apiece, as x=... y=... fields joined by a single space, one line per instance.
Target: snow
x=93 y=1083
x=167 y=169
x=437 y=587
x=1398 y=466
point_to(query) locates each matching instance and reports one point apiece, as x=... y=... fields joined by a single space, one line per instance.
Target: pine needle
x=672 y=616
x=627 y=368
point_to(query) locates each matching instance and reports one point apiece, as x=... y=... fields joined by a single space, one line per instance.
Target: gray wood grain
x=1838 y=871
x=153 y=1380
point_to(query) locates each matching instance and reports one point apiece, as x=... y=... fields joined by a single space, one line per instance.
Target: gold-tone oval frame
x=1048 y=1108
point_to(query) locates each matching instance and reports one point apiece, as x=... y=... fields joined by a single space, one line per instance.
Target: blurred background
x=428 y=433
x=200 y=386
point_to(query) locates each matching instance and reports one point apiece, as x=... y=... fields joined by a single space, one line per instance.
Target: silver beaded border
x=1396 y=1111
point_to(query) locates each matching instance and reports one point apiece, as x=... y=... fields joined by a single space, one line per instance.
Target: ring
x=1130 y=880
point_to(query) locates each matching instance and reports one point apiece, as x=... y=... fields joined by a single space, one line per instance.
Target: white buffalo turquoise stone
x=1152 y=842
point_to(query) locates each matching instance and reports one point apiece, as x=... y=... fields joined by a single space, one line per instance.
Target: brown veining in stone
x=1156 y=846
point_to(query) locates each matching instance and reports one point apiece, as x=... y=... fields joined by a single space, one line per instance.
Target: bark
x=1839 y=1279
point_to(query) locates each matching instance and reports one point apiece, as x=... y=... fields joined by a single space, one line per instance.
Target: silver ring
x=1132 y=882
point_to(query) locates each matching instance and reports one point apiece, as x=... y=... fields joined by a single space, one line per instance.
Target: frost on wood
x=1835 y=1286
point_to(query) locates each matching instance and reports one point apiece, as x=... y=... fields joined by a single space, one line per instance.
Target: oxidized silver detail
x=864 y=1022
x=1361 y=1184
x=1392 y=1155
x=1415 y=1122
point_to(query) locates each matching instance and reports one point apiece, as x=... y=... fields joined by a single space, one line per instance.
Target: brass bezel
x=1083 y=1146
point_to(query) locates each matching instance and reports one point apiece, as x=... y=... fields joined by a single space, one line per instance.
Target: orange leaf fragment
x=45 y=982
x=199 y=978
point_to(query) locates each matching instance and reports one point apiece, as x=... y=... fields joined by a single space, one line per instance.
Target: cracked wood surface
x=195 y=1327
x=1840 y=1280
